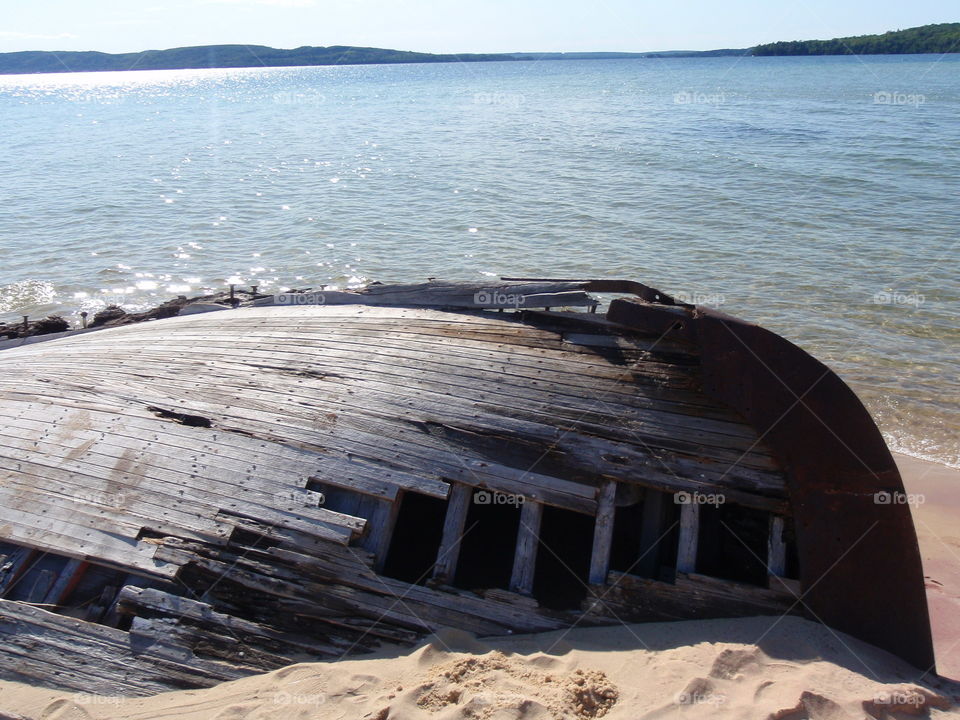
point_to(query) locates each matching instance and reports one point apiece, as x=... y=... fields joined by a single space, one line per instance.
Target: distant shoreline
x=940 y=39
x=255 y=56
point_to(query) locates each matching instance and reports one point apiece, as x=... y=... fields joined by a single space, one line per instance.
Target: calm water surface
x=817 y=196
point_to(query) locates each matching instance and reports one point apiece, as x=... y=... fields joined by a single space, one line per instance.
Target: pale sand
x=936 y=516
x=783 y=669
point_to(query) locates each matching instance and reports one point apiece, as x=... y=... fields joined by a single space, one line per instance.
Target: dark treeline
x=219 y=56
x=943 y=38
x=235 y=56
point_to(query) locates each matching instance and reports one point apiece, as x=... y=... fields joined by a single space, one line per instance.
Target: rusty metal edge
x=860 y=565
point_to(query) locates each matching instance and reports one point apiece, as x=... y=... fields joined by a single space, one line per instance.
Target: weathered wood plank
x=134 y=600
x=528 y=542
x=689 y=537
x=449 y=552
x=53 y=530
x=650 y=417
x=63 y=652
x=603 y=533
x=629 y=598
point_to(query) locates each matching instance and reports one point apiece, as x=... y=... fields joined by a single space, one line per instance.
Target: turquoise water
x=817 y=196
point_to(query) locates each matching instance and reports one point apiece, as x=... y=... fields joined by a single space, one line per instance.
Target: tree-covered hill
x=942 y=38
x=218 y=56
x=235 y=56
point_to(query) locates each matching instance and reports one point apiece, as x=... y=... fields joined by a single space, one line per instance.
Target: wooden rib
x=528 y=542
x=446 y=565
x=603 y=533
x=689 y=537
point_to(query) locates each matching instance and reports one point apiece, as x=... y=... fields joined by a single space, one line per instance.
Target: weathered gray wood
x=603 y=533
x=56 y=651
x=776 y=548
x=629 y=598
x=528 y=542
x=453 y=524
x=386 y=536
x=689 y=537
x=133 y=599
x=54 y=531
x=723 y=439
x=457 y=363
x=216 y=429
x=424 y=370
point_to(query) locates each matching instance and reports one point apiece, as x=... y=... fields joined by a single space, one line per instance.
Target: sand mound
x=748 y=668
x=493 y=683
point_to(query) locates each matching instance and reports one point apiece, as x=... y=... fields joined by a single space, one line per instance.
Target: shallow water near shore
x=816 y=196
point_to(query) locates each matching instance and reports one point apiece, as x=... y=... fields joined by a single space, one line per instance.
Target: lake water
x=816 y=196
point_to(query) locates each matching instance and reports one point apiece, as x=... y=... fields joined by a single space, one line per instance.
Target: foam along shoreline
x=737 y=668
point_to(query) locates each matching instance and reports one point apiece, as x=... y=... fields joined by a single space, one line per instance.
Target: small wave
x=26 y=294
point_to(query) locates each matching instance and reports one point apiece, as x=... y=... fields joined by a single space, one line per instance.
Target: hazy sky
x=452 y=26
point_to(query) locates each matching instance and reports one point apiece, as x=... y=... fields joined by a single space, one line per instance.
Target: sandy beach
x=777 y=668
x=935 y=517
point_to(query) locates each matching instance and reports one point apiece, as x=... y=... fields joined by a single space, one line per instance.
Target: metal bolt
x=26 y=321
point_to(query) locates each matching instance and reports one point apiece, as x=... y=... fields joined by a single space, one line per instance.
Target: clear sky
x=452 y=25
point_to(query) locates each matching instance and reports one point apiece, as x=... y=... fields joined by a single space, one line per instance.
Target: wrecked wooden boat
x=190 y=500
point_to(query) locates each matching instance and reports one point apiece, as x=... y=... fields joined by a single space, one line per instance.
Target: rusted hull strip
x=850 y=543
